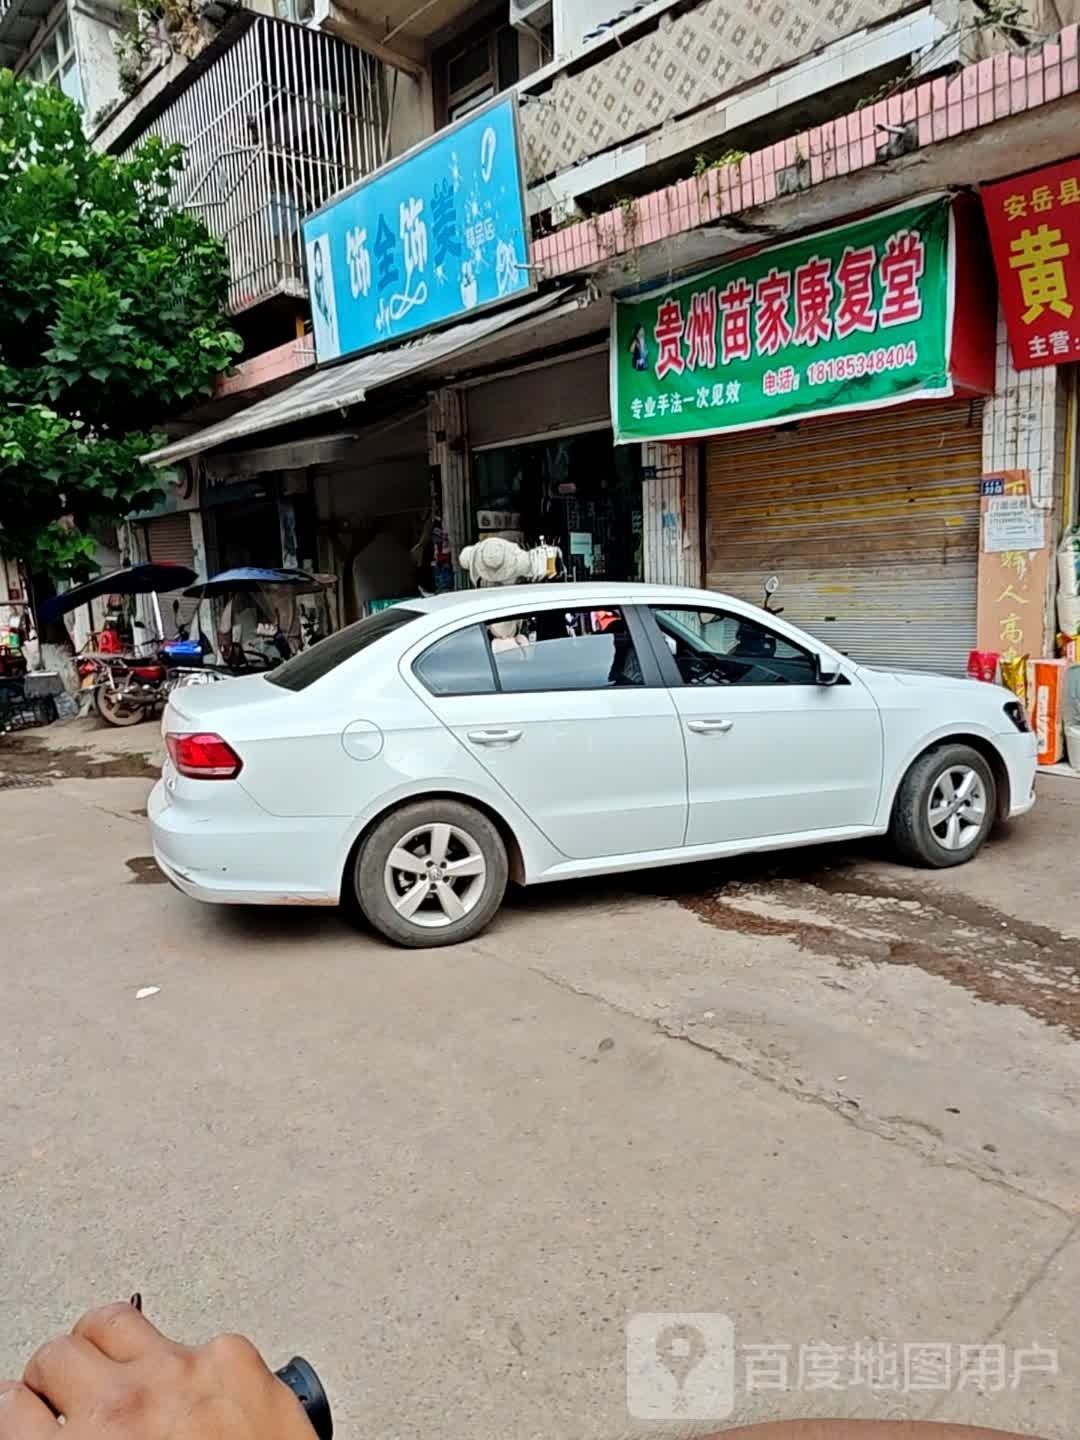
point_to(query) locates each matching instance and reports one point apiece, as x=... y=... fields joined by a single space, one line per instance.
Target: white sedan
x=412 y=764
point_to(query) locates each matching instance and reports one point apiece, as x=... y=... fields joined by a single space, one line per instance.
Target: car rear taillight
x=203 y=757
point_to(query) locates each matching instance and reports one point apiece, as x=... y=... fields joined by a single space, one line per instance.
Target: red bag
x=108 y=642
x=983 y=664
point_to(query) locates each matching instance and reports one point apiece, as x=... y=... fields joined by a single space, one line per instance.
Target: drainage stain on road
x=26 y=761
x=854 y=917
x=144 y=871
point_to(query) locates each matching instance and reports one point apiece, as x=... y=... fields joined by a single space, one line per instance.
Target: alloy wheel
x=435 y=875
x=957 y=807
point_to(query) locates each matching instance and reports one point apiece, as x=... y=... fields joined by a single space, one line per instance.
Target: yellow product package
x=1014 y=675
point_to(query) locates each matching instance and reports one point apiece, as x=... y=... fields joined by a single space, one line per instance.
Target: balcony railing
x=272 y=127
x=19 y=23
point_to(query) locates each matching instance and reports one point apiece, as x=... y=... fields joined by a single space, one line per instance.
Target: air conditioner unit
x=531 y=14
x=298 y=11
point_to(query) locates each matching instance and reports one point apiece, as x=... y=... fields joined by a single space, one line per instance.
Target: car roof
x=569 y=593
x=493 y=600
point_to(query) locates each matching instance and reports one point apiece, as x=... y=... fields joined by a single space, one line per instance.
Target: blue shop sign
x=440 y=233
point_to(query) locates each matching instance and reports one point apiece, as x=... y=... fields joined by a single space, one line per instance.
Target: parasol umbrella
x=250 y=577
x=162 y=576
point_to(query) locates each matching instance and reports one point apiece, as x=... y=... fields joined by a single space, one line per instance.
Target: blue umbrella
x=251 y=577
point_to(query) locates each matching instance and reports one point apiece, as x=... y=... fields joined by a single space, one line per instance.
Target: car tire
x=448 y=848
x=945 y=808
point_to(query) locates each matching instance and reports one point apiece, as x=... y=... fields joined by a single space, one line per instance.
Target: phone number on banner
x=864 y=362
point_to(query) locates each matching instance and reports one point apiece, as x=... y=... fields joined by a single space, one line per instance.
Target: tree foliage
x=111 y=319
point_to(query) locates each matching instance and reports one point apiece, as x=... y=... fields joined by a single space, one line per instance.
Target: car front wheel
x=945 y=807
x=432 y=873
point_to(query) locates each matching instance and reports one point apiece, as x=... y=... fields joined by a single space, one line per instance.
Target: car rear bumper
x=230 y=852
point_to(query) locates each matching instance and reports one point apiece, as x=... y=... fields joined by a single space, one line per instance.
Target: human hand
x=116 y=1377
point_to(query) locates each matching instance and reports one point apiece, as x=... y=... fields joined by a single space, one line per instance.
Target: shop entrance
x=246 y=532
x=579 y=492
x=871 y=521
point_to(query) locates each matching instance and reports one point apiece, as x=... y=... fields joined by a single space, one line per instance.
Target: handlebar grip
x=305 y=1384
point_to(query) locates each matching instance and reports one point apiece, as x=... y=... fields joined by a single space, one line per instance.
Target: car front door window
x=771 y=753
x=714 y=647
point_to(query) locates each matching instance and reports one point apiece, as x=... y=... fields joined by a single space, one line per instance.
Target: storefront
x=544 y=466
x=835 y=385
x=373 y=514
x=241 y=520
x=870 y=521
x=169 y=532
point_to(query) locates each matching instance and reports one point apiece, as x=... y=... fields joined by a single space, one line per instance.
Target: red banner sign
x=1034 y=224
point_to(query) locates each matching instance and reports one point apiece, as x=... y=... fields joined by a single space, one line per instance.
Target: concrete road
x=830 y=1099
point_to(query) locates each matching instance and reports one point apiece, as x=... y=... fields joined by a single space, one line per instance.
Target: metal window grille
x=274 y=127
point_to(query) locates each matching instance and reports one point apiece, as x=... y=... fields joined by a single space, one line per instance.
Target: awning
x=348 y=384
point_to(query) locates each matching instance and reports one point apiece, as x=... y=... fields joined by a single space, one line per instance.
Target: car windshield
x=311 y=665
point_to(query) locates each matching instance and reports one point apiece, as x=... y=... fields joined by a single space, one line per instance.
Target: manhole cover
x=22 y=782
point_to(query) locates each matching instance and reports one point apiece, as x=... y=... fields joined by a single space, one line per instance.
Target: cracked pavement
x=831 y=1098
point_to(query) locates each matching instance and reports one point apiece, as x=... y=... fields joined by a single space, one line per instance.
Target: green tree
x=111 y=319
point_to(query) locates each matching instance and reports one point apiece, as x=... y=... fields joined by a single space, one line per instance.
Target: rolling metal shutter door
x=871 y=522
x=169 y=538
x=555 y=399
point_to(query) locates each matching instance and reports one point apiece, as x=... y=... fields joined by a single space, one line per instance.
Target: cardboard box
x=1046 y=688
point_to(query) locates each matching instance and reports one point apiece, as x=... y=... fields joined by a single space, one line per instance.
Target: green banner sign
x=849 y=319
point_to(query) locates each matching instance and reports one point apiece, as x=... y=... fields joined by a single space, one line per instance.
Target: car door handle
x=710 y=727
x=494 y=737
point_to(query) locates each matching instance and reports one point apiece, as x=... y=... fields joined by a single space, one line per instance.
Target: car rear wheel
x=432 y=873
x=945 y=808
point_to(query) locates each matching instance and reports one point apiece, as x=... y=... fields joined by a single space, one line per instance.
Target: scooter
x=307 y=1387
x=302 y=1379
x=305 y=1384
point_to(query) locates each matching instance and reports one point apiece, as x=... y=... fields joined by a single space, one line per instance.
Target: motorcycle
x=128 y=684
x=123 y=686
x=124 y=689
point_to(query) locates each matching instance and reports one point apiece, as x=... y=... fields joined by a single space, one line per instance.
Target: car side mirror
x=823 y=676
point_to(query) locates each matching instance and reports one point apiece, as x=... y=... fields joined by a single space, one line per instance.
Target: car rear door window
x=458 y=664
x=564 y=650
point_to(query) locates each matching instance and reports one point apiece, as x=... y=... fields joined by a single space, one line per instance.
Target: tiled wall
x=979 y=95
x=688 y=61
x=1024 y=425
x=670 y=513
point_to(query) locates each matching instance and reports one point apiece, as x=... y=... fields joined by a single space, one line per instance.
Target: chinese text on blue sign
x=433 y=236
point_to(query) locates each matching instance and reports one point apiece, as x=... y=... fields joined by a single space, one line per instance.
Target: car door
x=770 y=751
x=571 y=718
